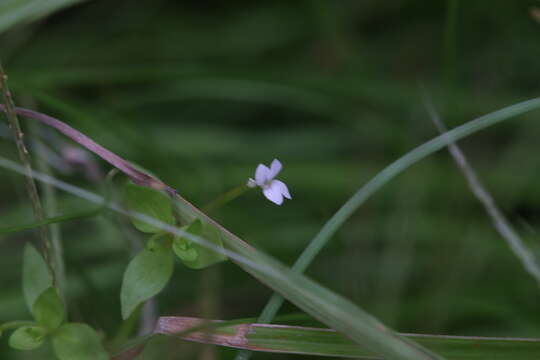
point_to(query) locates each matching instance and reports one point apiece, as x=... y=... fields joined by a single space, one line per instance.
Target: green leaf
x=13 y=12
x=328 y=342
x=27 y=337
x=194 y=255
x=184 y=251
x=149 y=202
x=36 y=275
x=49 y=310
x=76 y=341
x=183 y=247
x=146 y=275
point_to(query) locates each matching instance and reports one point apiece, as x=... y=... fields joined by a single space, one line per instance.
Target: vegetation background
x=200 y=92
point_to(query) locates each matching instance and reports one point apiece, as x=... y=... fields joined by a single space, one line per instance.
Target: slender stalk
x=528 y=259
x=50 y=210
x=209 y=306
x=25 y=161
x=137 y=176
x=225 y=198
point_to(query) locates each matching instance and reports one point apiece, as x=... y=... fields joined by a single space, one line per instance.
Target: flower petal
x=273 y=193
x=282 y=187
x=275 y=168
x=262 y=174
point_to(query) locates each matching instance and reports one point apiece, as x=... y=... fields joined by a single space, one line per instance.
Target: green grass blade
x=13 y=12
x=383 y=177
x=327 y=342
x=401 y=164
x=52 y=220
x=318 y=301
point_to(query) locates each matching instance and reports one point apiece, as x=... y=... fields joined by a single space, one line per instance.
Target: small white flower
x=274 y=190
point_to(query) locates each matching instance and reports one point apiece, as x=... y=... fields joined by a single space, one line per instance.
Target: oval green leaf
x=183 y=247
x=27 y=338
x=146 y=275
x=149 y=202
x=194 y=255
x=76 y=341
x=49 y=310
x=36 y=275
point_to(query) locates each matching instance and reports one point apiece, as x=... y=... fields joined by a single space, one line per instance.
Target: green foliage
x=146 y=275
x=27 y=337
x=49 y=310
x=76 y=341
x=336 y=98
x=196 y=256
x=182 y=247
x=149 y=202
x=36 y=275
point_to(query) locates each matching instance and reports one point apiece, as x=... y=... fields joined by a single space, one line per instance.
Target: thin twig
x=502 y=225
x=25 y=161
x=123 y=165
x=50 y=206
x=225 y=198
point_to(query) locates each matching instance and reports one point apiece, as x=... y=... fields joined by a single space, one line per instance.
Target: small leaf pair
x=150 y=270
x=42 y=300
x=71 y=341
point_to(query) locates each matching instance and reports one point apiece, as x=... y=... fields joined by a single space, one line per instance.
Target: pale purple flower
x=274 y=190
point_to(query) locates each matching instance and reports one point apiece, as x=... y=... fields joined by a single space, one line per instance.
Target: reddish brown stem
x=135 y=175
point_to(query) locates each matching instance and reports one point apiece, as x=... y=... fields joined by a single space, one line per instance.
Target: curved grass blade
x=13 y=12
x=383 y=177
x=328 y=342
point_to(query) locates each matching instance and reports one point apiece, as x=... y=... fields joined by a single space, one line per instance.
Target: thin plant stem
x=528 y=259
x=51 y=209
x=25 y=161
x=209 y=294
x=225 y=198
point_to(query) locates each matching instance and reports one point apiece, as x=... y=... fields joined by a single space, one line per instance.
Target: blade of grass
x=13 y=12
x=528 y=259
x=328 y=342
x=68 y=217
x=52 y=220
x=383 y=177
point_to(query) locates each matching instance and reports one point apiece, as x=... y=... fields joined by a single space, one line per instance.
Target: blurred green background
x=200 y=92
